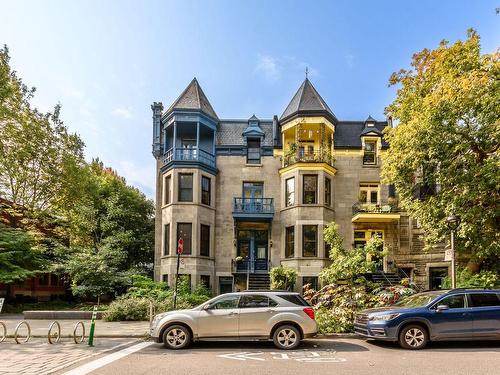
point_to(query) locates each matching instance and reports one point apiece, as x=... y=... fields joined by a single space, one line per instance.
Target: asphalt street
x=315 y=357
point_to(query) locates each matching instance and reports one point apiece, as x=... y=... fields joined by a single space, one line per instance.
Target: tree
x=447 y=140
x=348 y=265
x=20 y=257
x=112 y=233
x=40 y=161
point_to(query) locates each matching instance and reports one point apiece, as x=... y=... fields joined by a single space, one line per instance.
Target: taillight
x=310 y=312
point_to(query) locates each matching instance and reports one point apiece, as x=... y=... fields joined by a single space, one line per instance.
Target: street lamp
x=453 y=222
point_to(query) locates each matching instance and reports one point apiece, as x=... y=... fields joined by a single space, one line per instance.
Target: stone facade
x=248 y=195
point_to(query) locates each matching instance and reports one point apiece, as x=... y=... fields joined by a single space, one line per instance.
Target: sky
x=107 y=61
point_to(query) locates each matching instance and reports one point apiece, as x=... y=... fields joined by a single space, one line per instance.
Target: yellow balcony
x=374 y=213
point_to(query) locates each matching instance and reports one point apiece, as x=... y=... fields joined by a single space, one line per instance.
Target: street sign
x=448 y=255
x=180 y=246
x=1 y=303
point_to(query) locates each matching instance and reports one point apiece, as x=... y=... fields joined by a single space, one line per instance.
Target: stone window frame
x=287 y=204
x=304 y=176
x=180 y=188
x=315 y=255
x=167 y=189
x=166 y=239
x=369 y=187
x=208 y=193
x=289 y=245
x=205 y=242
x=190 y=247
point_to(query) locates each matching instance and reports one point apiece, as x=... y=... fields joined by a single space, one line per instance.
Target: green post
x=92 y=327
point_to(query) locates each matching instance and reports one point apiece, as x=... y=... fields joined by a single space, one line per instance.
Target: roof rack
x=472 y=288
x=267 y=290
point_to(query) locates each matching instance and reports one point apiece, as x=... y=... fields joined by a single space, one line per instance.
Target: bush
x=283 y=278
x=467 y=279
x=135 y=304
x=336 y=305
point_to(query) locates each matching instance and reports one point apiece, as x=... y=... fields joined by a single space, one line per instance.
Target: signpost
x=92 y=326
x=180 y=249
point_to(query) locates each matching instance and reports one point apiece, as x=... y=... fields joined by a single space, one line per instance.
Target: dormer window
x=253 y=151
x=370 y=153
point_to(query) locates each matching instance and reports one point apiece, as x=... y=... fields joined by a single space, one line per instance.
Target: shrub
x=283 y=278
x=135 y=304
x=467 y=279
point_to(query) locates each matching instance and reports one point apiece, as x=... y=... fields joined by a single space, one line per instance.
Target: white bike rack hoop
x=4 y=329
x=58 y=332
x=21 y=323
x=79 y=340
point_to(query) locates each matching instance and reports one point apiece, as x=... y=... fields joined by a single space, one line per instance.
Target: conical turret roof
x=193 y=98
x=307 y=101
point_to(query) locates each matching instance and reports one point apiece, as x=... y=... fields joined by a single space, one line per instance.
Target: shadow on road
x=446 y=346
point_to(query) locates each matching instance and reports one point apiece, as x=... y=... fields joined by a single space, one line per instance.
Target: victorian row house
x=246 y=195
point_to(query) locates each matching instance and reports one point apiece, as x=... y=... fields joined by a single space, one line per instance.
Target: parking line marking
x=100 y=362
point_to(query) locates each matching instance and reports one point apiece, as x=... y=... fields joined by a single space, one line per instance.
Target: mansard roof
x=194 y=99
x=348 y=133
x=230 y=132
x=307 y=101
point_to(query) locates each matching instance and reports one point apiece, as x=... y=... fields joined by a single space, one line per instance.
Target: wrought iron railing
x=320 y=156
x=253 y=205
x=383 y=208
x=189 y=154
x=251 y=265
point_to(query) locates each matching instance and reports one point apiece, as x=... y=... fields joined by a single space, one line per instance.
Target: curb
x=338 y=335
x=110 y=336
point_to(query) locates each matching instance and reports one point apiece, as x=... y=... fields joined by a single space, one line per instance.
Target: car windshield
x=418 y=300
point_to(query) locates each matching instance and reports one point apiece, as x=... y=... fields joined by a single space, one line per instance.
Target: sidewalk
x=39 y=328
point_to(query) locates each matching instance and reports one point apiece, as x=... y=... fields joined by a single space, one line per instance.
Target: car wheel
x=286 y=337
x=176 y=337
x=413 y=337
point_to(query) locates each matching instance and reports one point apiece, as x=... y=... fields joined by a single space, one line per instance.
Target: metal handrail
x=253 y=205
x=82 y=337
x=374 y=208
x=317 y=156
x=58 y=336
x=189 y=154
x=4 y=335
x=413 y=284
x=24 y=322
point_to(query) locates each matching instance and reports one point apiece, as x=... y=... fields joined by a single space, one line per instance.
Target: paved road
x=315 y=357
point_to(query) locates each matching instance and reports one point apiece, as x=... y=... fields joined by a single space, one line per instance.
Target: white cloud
x=142 y=177
x=269 y=67
x=122 y=112
x=273 y=67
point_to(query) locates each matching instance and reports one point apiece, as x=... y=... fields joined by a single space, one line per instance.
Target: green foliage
x=112 y=232
x=39 y=160
x=467 y=279
x=348 y=265
x=20 y=257
x=448 y=133
x=283 y=278
x=135 y=304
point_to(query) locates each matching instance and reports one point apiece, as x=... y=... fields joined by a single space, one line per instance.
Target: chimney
x=157 y=108
x=276 y=133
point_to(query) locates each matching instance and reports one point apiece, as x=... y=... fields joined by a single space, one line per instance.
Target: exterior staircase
x=259 y=281
x=386 y=278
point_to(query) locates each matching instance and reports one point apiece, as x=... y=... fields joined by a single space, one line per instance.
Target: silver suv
x=283 y=317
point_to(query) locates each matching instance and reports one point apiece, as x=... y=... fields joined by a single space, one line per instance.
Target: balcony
x=246 y=265
x=192 y=154
x=260 y=209
x=374 y=213
x=320 y=156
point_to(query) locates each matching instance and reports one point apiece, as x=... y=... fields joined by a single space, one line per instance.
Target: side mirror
x=442 y=308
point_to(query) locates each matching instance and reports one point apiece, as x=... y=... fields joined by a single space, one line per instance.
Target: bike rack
x=24 y=322
x=79 y=340
x=58 y=332
x=4 y=335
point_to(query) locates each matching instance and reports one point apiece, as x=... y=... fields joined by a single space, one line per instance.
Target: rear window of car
x=484 y=299
x=295 y=299
x=255 y=301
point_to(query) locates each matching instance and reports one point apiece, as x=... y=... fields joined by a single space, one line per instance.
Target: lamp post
x=453 y=223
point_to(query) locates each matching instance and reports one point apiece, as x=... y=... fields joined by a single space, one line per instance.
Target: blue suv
x=458 y=314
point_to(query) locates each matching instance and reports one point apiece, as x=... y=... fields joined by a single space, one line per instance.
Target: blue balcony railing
x=190 y=154
x=253 y=208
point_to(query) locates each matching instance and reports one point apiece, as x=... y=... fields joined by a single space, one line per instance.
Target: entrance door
x=253 y=248
x=436 y=277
